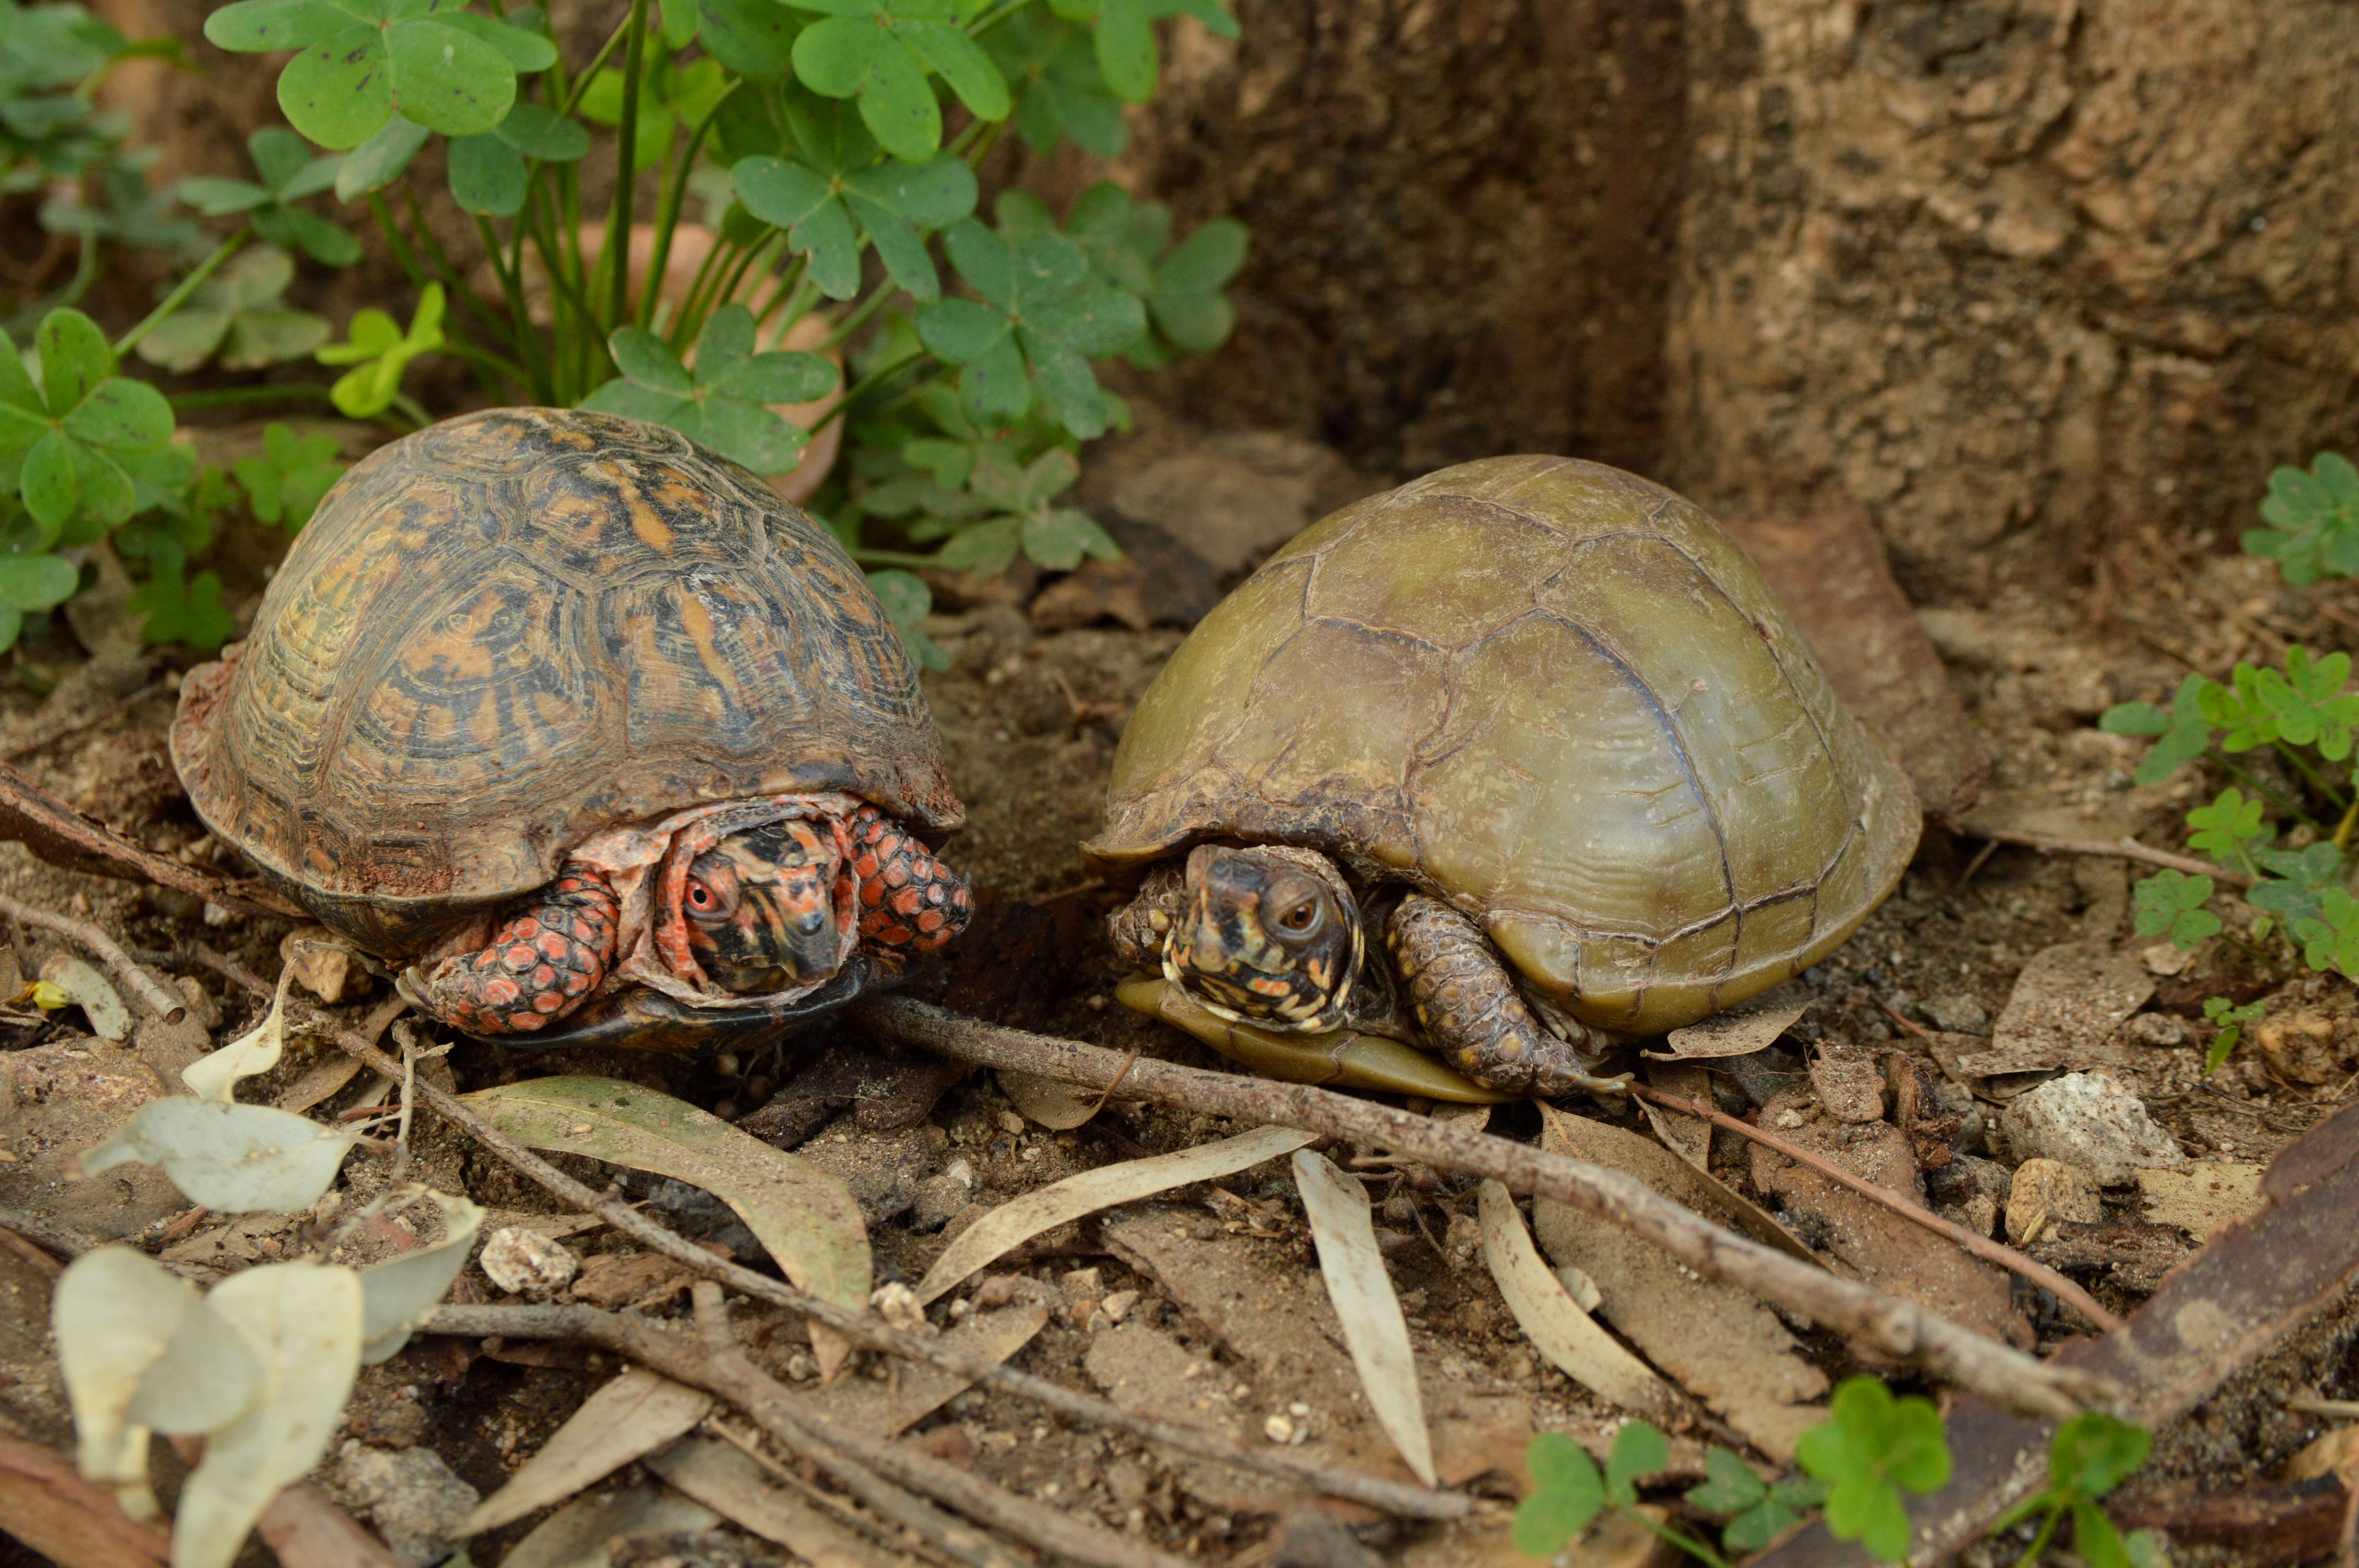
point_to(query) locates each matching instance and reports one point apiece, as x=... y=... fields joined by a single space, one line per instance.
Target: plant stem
x=606 y=50
x=2342 y=829
x=395 y=242
x=892 y=558
x=2258 y=787
x=1695 y=1549
x=674 y=197
x=276 y=392
x=520 y=332
x=180 y=293
x=860 y=316
x=618 y=257
x=2039 y=1546
x=868 y=382
x=2334 y=795
x=411 y=408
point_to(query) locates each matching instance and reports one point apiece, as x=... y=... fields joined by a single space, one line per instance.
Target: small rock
x=201 y=1006
x=2156 y=1029
x=526 y=1263
x=896 y=1303
x=2165 y=959
x=1011 y=1124
x=323 y=964
x=2299 y=1046
x=1313 y=1538
x=2048 y=1191
x=1848 y=1087
x=1117 y=1306
x=1279 y=1429
x=1956 y=1013
x=942 y=1195
x=2091 y=1121
x=414 y=1501
x=1968 y=1177
x=1082 y=1284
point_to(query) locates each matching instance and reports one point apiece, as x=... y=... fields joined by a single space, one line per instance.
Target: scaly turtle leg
x=909 y=902
x=539 y=967
x=1141 y=926
x=1468 y=1005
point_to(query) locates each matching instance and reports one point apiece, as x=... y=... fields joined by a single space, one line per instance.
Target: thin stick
x=1982 y=1246
x=2128 y=848
x=2004 y=1377
x=1389 y=1496
x=827 y=1502
x=165 y=1005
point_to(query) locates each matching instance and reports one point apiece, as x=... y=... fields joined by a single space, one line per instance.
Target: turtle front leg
x=541 y=966
x=908 y=902
x=1140 y=927
x=1468 y=1005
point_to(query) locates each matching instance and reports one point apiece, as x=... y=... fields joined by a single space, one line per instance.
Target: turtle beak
x=796 y=923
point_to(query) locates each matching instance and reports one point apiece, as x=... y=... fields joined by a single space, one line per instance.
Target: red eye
x=700 y=896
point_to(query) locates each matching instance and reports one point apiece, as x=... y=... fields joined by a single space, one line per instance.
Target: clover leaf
x=1060 y=91
x=288 y=173
x=448 y=69
x=178 y=502
x=879 y=52
x=379 y=353
x=1055 y=536
x=1127 y=242
x=179 y=611
x=843 y=192
x=237 y=313
x=2329 y=939
x=488 y=173
x=2314 y=521
x=127 y=212
x=723 y=402
x=1762 y=1511
x=1039 y=321
x=2170 y=904
x=2089 y=1456
x=1567 y=1494
x=671 y=95
x=2181 y=733
x=907 y=601
x=285 y=481
x=2229 y=829
x=64 y=443
x=1124 y=36
x=30 y=579
x=1870 y=1448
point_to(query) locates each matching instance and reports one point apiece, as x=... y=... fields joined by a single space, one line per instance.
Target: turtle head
x=1267 y=934
x=759 y=908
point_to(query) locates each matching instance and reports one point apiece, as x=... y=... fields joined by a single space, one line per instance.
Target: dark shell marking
x=514 y=629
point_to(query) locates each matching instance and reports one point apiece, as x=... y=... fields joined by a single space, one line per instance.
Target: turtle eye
x=700 y=898
x=1303 y=917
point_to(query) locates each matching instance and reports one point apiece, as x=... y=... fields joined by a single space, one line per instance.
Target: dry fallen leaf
x=2066 y=1004
x=89 y=990
x=733 y=1484
x=398 y=1297
x=237 y=1158
x=2201 y=1198
x=884 y=1410
x=1741 y=1030
x=1364 y=1303
x=215 y=1077
x=45 y=1505
x=584 y=1532
x=1045 y=1102
x=635 y=1414
x=1017 y=1221
x=1554 y=1323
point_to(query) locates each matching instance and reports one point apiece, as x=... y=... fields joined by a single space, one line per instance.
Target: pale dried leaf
x=2201 y=1198
x=115 y=1311
x=733 y=1484
x=46 y=1506
x=1045 y=1102
x=1017 y=1221
x=89 y=990
x=1364 y=1303
x=1554 y=1322
x=235 y=1159
x=804 y=1217
x=635 y=1414
x=2066 y=1004
x=400 y=1296
x=215 y=1077
x=302 y=1324
x=204 y=1379
x=1739 y=1030
x=582 y=1533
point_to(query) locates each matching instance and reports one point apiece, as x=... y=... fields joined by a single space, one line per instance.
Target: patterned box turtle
x=584 y=723
x=1539 y=727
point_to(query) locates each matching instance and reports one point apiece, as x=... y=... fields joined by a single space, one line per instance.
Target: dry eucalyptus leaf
x=886 y=1409
x=585 y=1532
x=89 y=990
x=1016 y=1222
x=1554 y=1322
x=635 y=1414
x=1741 y=1030
x=733 y=1483
x=301 y=1322
x=1364 y=1303
x=115 y=1312
x=805 y=1217
x=237 y=1159
x=215 y=1077
x=397 y=1297
x=1047 y=1103
x=203 y=1380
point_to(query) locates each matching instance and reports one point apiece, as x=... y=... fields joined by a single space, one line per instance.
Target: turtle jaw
x=1242 y=948
x=760 y=909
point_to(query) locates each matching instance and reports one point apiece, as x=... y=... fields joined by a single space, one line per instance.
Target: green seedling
x=289 y=173
x=2170 y=904
x=380 y=354
x=2090 y=1455
x=1569 y=1492
x=66 y=443
x=1870 y=1450
x=237 y=318
x=285 y=481
x=2313 y=520
x=1760 y=1510
x=2233 y=1021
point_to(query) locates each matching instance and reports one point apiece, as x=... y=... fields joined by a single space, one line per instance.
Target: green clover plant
x=2233 y=1021
x=289 y=173
x=1871 y=1449
x=722 y=402
x=285 y=482
x=2313 y=520
x=237 y=319
x=65 y=442
x=380 y=354
x=2090 y=1455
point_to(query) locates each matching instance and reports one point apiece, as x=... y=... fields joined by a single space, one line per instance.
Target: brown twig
x=1900 y=1328
x=63 y=837
x=1982 y=1246
x=838 y=1508
x=1387 y=1497
x=2126 y=848
x=62 y=1239
x=164 y=1004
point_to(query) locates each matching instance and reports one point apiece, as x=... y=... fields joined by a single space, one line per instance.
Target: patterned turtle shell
x=1556 y=696
x=511 y=631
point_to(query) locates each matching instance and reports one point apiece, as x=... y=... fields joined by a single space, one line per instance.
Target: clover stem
x=614 y=260
x=798 y=295
x=993 y=17
x=454 y=285
x=868 y=557
x=1695 y=1549
x=395 y=242
x=2334 y=795
x=868 y=382
x=606 y=50
x=2258 y=787
x=675 y=195
x=412 y=409
x=180 y=294
x=520 y=333
x=276 y=392
x=857 y=319
x=2039 y=1546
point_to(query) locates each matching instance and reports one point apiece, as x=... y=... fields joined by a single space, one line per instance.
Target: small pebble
x=1279 y=1429
x=896 y=1303
x=1117 y=1306
x=526 y=1263
x=1011 y=1124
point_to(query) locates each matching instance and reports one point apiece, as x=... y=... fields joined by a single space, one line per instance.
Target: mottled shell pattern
x=514 y=629
x=1559 y=697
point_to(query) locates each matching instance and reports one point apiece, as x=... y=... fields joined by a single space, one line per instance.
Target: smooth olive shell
x=510 y=631
x=1557 y=696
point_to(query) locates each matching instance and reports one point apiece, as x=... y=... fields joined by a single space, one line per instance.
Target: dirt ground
x=1228 y=1326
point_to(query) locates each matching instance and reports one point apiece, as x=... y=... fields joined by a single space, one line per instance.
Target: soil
x=1030 y=720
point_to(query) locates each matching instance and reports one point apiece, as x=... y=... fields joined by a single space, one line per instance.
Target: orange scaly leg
x=909 y=902
x=541 y=966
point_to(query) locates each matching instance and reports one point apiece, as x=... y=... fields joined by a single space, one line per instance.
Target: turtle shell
x=1559 y=697
x=511 y=631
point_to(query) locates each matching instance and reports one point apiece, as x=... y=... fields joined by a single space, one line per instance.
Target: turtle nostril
x=811 y=924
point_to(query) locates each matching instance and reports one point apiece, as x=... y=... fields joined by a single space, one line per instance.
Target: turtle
x=1535 y=727
x=588 y=735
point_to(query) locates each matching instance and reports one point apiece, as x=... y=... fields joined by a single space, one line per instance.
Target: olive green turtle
x=1537 y=731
